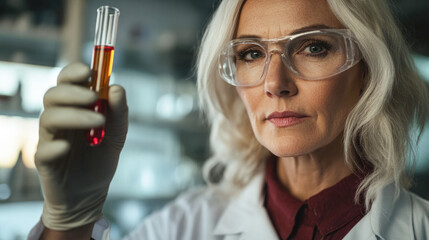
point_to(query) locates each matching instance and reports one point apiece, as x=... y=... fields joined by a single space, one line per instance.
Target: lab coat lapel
x=245 y=217
x=259 y=227
x=391 y=217
x=388 y=218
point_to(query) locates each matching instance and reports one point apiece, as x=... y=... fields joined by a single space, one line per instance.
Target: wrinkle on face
x=327 y=101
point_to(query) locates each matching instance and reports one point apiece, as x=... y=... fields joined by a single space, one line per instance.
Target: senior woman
x=310 y=132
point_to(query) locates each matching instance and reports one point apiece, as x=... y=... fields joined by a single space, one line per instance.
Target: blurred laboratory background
x=155 y=53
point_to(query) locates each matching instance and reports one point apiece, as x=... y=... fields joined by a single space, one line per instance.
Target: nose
x=278 y=79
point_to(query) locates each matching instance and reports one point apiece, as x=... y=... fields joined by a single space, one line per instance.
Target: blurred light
x=130 y=213
x=11 y=140
x=422 y=64
x=35 y=82
x=30 y=143
x=18 y=135
x=422 y=152
x=147 y=180
x=171 y=107
x=10 y=81
x=165 y=108
x=147 y=164
x=142 y=92
x=112 y=79
x=185 y=173
x=5 y=192
x=184 y=105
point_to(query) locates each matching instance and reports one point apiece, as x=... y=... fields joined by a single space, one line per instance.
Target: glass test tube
x=102 y=61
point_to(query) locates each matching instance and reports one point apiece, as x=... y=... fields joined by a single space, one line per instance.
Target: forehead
x=276 y=18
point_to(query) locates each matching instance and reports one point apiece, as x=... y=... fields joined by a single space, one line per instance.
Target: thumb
x=117 y=116
x=118 y=101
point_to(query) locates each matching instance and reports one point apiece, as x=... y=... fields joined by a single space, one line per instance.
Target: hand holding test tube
x=102 y=61
x=75 y=176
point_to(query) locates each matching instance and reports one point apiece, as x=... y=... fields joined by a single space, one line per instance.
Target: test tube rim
x=116 y=10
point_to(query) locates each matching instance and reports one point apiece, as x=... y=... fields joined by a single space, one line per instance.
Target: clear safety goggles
x=312 y=55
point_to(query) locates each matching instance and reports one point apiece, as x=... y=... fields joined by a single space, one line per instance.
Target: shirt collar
x=339 y=199
x=283 y=207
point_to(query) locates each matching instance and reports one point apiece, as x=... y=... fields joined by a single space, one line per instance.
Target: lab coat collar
x=388 y=218
x=246 y=216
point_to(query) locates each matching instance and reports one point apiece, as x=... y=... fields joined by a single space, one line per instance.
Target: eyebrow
x=296 y=31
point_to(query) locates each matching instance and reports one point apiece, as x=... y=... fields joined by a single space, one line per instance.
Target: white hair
x=377 y=130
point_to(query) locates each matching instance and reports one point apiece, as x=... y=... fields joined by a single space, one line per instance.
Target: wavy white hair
x=378 y=129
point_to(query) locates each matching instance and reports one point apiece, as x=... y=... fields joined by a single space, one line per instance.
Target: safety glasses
x=312 y=55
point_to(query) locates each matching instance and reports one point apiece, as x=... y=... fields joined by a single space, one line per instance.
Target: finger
x=75 y=73
x=49 y=151
x=118 y=101
x=62 y=118
x=117 y=117
x=69 y=95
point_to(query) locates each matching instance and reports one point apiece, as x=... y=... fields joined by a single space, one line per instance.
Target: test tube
x=102 y=61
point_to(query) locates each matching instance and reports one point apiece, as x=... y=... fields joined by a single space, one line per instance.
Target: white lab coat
x=204 y=214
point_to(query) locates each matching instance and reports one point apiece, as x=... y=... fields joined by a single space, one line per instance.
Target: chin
x=289 y=147
x=287 y=152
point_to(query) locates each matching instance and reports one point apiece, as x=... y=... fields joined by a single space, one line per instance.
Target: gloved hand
x=75 y=177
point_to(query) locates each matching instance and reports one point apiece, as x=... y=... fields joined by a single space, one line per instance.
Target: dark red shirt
x=330 y=214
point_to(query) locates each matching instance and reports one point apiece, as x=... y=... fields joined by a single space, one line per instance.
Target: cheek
x=334 y=100
x=251 y=101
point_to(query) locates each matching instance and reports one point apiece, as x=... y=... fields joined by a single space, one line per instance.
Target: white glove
x=75 y=177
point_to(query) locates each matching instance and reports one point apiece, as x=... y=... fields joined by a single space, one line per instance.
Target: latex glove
x=75 y=177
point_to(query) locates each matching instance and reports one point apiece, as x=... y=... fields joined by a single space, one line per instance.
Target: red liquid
x=94 y=136
x=102 y=61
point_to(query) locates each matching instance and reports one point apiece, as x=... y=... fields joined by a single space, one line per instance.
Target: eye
x=249 y=53
x=314 y=49
x=252 y=55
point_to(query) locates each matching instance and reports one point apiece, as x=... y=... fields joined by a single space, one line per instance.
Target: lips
x=285 y=119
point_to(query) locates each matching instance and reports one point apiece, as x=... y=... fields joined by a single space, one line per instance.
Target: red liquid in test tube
x=102 y=62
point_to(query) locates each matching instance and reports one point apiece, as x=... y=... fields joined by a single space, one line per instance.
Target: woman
x=310 y=131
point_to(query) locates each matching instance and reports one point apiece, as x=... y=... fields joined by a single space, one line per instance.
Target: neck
x=306 y=175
